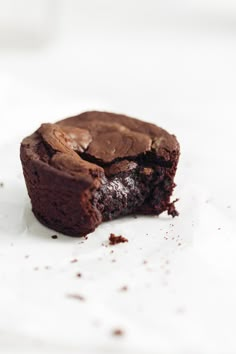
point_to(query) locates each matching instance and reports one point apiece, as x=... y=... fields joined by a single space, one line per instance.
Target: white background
x=168 y=62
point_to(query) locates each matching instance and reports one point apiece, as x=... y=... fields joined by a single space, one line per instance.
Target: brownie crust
x=98 y=166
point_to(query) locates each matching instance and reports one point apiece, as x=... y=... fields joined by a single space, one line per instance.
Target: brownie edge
x=98 y=166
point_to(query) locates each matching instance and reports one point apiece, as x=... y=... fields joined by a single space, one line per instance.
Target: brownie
x=98 y=166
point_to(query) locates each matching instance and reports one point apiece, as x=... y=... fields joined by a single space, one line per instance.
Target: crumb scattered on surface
x=124 y=288
x=36 y=268
x=112 y=251
x=54 y=236
x=145 y=261
x=79 y=275
x=114 y=240
x=117 y=332
x=171 y=210
x=86 y=237
x=76 y=297
x=179 y=244
x=113 y=260
x=75 y=260
x=26 y=256
x=47 y=267
x=219 y=228
x=1 y=184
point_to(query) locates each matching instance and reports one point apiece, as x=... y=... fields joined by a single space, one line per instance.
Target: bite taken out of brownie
x=98 y=166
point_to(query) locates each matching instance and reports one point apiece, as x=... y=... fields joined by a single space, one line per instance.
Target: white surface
x=183 y=300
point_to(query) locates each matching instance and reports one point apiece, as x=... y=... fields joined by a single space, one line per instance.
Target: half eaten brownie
x=98 y=166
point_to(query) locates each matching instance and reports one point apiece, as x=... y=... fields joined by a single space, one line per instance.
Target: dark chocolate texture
x=98 y=166
x=114 y=240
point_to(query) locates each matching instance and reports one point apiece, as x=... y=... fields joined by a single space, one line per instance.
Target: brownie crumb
x=54 y=236
x=124 y=288
x=76 y=297
x=118 y=332
x=171 y=210
x=1 y=184
x=113 y=260
x=145 y=261
x=113 y=239
x=79 y=275
x=26 y=256
x=75 y=260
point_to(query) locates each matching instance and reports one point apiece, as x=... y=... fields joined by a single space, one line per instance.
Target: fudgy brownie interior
x=129 y=185
x=122 y=194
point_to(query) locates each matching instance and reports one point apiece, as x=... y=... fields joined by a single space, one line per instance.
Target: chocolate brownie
x=98 y=166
